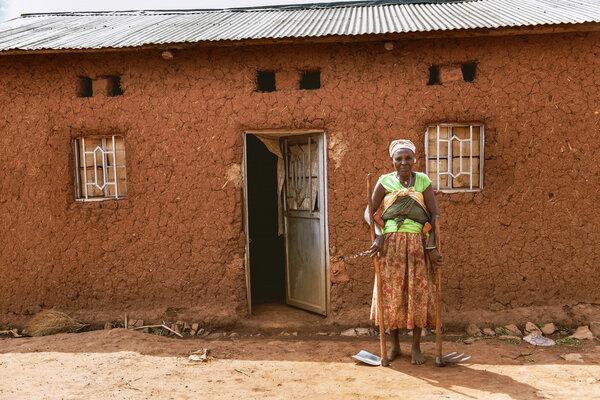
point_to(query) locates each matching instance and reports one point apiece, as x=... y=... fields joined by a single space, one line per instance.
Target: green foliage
x=501 y=330
x=568 y=331
x=540 y=325
x=568 y=341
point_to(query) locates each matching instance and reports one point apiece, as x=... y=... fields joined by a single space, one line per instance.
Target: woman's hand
x=377 y=246
x=435 y=257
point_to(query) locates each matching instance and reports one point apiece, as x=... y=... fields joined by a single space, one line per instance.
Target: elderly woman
x=407 y=214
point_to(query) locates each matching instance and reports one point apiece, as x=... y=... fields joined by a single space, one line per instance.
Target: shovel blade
x=367 y=358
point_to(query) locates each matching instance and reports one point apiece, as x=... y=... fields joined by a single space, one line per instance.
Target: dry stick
x=384 y=360
x=241 y=372
x=438 y=296
x=158 y=326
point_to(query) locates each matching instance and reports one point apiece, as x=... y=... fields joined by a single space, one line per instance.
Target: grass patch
x=568 y=341
x=540 y=325
x=565 y=329
x=513 y=341
x=501 y=331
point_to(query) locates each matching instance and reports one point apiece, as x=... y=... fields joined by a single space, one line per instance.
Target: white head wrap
x=401 y=144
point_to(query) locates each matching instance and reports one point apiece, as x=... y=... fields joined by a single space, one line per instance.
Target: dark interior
x=267 y=255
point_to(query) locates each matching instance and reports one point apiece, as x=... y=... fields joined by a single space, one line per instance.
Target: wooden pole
x=384 y=360
x=439 y=361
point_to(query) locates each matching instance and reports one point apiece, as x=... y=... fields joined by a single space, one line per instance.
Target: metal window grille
x=99 y=168
x=454 y=155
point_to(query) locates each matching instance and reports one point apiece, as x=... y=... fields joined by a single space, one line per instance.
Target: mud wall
x=175 y=245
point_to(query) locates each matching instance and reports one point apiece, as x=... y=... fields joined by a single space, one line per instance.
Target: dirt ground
x=125 y=364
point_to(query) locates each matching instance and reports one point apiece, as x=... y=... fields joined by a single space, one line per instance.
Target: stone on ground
x=349 y=332
x=469 y=341
x=513 y=329
x=530 y=328
x=548 y=329
x=538 y=340
x=362 y=331
x=595 y=328
x=572 y=357
x=510 y=337
x=489 y=332
x=583 y=333
x=472 y=329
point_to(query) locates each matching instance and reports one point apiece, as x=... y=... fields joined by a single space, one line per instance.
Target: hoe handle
x=438 y=295
x=384 y=360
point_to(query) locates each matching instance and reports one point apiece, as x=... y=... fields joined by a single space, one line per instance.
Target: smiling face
x=403 y=161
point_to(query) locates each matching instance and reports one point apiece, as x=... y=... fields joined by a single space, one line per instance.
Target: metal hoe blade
x=451 y=358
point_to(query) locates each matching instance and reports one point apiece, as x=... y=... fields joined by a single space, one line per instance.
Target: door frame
x=280 y=133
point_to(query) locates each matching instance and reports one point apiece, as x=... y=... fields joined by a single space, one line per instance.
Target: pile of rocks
x=532 y=333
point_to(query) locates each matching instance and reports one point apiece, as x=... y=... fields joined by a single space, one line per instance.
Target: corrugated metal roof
x=96 y=30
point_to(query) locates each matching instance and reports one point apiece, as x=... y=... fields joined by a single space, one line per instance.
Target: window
x=310 y=80
x=434 y=75
x=468 y=71
x=84 y=87
x=113 y=87
x=454 y=155
x=99 y=168
x=265 y=81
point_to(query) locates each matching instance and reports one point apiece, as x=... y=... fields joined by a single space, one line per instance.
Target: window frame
x=449 y=156
x=80 y=188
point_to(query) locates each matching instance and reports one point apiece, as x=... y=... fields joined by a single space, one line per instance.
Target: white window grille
x=454 y=155
x=99 y=168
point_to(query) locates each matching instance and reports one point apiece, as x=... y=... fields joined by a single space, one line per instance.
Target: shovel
x=451 y=358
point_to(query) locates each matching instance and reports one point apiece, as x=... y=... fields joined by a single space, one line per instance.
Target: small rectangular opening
x=434 y=75
x=468 y=71
x=84 y=87
x=310 y=80
x=265 y=81
x=114 y=87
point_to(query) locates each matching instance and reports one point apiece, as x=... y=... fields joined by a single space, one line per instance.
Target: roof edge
x=340 y=4
x=542 y=29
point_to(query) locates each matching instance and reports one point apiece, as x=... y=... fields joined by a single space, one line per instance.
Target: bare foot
x=393 y=352
x=416 y=355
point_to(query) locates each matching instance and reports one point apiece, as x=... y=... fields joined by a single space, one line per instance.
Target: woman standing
x=408 y=285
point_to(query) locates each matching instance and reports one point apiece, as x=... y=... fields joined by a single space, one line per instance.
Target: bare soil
x=125 y=364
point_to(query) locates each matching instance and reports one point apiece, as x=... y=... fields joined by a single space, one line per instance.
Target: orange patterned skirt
x=408 y=283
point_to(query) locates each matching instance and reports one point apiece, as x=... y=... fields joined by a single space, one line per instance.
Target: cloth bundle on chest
x=404 y=209
x=406 y=203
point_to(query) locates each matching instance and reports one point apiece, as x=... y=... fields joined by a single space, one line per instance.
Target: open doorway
x=286 y=231
x=267 y=248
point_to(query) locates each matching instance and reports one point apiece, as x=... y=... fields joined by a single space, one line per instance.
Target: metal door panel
x=306 y=270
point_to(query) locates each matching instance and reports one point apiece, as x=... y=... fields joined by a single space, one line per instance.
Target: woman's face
x=403 y=161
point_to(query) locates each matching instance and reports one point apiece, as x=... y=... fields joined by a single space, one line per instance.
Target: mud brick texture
x=175 y=244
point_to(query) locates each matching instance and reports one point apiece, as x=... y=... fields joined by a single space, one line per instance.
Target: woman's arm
x=434 y=211
x=377 y=197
